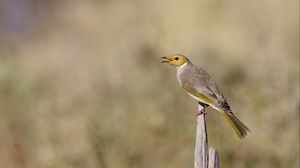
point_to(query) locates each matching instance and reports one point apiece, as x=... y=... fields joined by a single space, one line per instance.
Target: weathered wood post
x=213 y=158
x=204 y=158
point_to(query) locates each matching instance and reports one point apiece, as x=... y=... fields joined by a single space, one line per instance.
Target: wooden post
x=213 y=158
x=202 y=157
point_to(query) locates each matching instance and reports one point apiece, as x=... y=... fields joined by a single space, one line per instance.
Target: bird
x=197 y=83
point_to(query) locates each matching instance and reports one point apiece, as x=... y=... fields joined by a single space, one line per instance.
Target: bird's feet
x=201 y=112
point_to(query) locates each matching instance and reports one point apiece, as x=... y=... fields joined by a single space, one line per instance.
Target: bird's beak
x=165 y=59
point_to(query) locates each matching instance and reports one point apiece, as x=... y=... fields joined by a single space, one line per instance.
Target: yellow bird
x=199 y=85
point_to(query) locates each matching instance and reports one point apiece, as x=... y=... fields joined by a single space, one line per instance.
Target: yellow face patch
x=175 y=59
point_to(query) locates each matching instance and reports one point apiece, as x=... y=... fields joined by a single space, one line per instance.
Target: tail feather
x=240 y=128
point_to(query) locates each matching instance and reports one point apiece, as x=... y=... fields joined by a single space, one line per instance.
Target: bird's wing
x=205 y=98
x=198 y=83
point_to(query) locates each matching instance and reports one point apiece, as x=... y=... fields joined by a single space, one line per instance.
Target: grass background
x=81 y=84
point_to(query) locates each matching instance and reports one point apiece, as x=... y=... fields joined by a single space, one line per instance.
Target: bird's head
x=175 y=60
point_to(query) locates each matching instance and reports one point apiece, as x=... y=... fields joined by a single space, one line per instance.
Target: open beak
x=165 y=60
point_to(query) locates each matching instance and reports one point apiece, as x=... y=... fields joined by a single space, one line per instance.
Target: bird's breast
x=180 y=73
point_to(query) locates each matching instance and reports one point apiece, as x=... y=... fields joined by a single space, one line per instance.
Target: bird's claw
x=201 y=112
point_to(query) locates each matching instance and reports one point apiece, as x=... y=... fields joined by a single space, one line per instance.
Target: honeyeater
x=199 y=85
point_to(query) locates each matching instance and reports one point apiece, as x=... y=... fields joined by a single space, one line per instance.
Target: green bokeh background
x=81 y=84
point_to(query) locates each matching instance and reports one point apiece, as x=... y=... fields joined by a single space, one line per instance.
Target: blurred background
x=82 y=86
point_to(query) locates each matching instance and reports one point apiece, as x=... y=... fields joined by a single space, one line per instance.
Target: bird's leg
x=201 y=108
x=201 y=112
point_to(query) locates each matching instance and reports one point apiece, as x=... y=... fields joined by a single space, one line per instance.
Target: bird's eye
x=176 y=58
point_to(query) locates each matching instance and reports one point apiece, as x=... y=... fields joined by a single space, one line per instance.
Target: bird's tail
x=240 y=128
